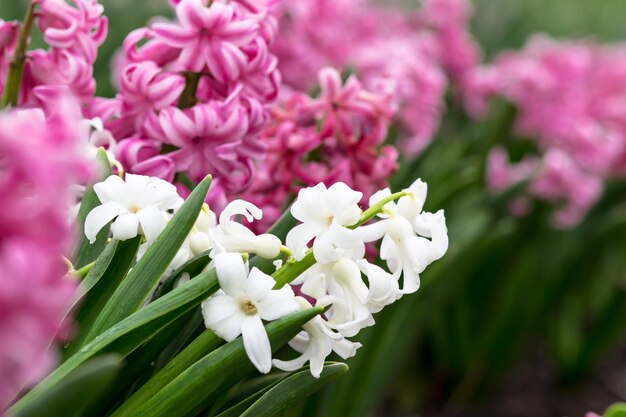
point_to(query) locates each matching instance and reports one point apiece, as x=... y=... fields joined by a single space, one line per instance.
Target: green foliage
x=74 y=394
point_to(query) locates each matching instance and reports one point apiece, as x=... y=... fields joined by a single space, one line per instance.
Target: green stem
x=82 y=272
x=377 y=208
x=16 y=67
x=188 y=97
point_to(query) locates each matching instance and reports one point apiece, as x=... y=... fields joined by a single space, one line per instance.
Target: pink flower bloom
x=207 y=138
x=77 y=30
x=143 y=157
x=501 y=174
x=145 y=88
x=449 y=19
x=209 y=37
x=335 y=137
x=414 y=49
x=571 y=98
x=561 y=180
x=60 y=68
x=39 y=160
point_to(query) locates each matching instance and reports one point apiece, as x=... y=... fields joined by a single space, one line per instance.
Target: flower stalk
x=16 y=67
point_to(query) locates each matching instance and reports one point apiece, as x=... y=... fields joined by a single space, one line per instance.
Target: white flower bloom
x=411 y=239
x=315 y=343
x=230 y=236
x=245 y=299
x=339 y=283
x=383 y=287
x=137 y=205
x=324 y=213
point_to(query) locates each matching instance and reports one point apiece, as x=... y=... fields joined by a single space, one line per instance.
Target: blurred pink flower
x=39 y=160
x=571 y=99
x=414 y=49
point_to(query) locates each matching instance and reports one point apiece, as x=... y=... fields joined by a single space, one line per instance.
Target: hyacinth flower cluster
x=327 y=247
x=40 y=159
x=193 y=95
x=424 y=49
x=336 y=136
x=73 y=34
x=570 y=98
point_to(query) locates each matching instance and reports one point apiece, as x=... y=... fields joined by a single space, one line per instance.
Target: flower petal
x=231 y=273
x=152 y=222
x=256 y=343
x=277 y=304
x=100 y=216
x=125 y=227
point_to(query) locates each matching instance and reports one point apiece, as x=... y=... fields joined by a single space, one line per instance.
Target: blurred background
x=519 y=318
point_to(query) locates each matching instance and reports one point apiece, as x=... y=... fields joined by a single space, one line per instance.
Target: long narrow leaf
x=101 y=291
x=293 y=390
x=199 y=381
x=132 y=332
x=70 y=397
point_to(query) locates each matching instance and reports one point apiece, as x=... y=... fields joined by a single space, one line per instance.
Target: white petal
x=410 y=281
x=258 y=285
x=341 y=197
x=125 y=227
x=113 y=188
x=136 y=183
x=278 y=303
x=100 y=216
x=242 y=207
x=152 y=222
x=256 y=343
x=292 y=365
x=345 y=348
x=319 y=348
x=162 y=194
x=223 y=316
x=231 y=273
x=308 y=205
x=301 y=235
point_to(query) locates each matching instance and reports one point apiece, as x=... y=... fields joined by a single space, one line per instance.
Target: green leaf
x=616 y=410
x=99 y=285
x=73 y=395
x=293 y=390
x=143 y=278
x=250 y=391
x=85 y=252
x=200 y=347
x=132 y=332
x=189 y=389
x=192 y=267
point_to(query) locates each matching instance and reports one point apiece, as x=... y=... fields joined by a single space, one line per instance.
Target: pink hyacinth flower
x=209 y=37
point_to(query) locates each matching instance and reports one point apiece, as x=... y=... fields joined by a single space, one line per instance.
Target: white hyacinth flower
x=315 y=343
x=230 y=236
x=324 y=213
x=411 y=239
x=383 y=287
x=245 y=299
x=340 y=285
x=137 y=205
